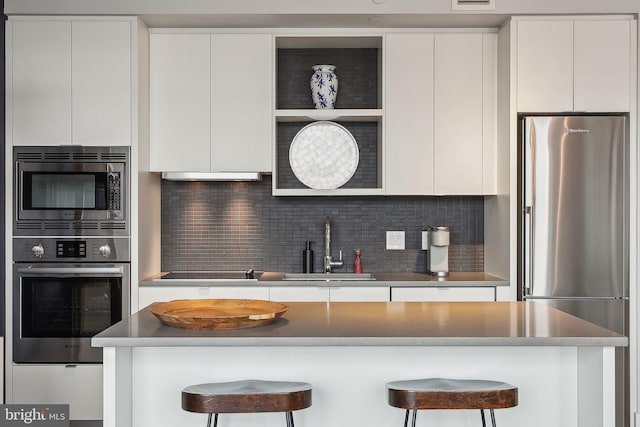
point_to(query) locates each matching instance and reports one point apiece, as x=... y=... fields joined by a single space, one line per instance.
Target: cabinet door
x=101 y=83
x=451 y=294
x=545 y=66
x=241 y=102
x=359 y=293
x=408 y=114
x=458 y=114
x=180 y=94
x=40 y=83
x=602 y=66
x=79 y=386
x=299 y=293
x=149 y=294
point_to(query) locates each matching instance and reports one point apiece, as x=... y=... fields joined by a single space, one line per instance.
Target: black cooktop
x=210 y=275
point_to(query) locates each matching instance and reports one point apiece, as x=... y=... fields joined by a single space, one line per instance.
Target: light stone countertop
x=379 y=324
x=402 y=279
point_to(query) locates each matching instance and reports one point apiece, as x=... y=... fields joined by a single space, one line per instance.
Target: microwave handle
x=77 y=271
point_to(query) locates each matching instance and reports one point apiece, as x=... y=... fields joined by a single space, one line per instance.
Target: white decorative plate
x=324 y=155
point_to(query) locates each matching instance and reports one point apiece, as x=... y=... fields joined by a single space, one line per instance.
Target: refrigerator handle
x=528 y=190
x=528 y=250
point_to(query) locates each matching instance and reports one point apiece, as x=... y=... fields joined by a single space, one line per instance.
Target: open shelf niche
x=358 y=106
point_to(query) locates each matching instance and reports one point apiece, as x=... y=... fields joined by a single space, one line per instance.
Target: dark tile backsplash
x=240 y=225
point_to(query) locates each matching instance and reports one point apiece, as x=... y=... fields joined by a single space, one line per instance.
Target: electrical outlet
x=395 y=240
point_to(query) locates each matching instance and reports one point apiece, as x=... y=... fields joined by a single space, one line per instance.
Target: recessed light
x=376 y=20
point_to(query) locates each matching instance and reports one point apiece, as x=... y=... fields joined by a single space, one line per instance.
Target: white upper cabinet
x=241 y=102
x=179 y=97
x=458 y=114
x=574 y=65
x=545 y=66
x=39 y=83
x=440 y=111
x=101 y=83
x=602 y=65
x=69 y=82
x=211 y=107
x=409 y=114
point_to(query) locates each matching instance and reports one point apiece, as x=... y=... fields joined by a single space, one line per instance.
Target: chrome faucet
x=329 y=263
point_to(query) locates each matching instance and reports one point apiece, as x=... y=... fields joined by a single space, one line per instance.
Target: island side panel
x=596 y=386
x=349 y=382
x=117 y=386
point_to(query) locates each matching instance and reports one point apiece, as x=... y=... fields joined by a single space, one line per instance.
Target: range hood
x=212 y=176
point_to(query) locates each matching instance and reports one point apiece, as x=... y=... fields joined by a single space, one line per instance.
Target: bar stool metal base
x=415 y=413
x=288 y=417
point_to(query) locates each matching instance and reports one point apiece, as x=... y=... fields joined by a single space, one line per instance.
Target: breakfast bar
x=563 y=366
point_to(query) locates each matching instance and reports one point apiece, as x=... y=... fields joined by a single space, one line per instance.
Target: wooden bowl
x=218 y=313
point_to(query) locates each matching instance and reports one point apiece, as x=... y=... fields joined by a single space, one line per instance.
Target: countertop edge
x=361 y=342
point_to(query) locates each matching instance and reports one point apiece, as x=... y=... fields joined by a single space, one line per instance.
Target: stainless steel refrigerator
x=575 y=223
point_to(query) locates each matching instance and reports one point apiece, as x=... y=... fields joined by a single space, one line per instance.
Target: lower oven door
x=58 y=307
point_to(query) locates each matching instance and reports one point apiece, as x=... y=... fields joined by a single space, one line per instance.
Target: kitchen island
x=563 y=366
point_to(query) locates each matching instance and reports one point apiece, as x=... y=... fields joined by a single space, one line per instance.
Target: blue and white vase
x=324 y=87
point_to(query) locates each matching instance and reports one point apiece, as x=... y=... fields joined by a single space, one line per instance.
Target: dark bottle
x=307 y=259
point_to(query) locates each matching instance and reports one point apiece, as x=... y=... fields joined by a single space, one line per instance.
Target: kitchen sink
x=328 y=276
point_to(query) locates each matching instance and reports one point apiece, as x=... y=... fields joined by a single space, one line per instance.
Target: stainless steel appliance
x=575 y=201
x=438 y=247
x=65 y=291
x=71 y=190
x=226 y=276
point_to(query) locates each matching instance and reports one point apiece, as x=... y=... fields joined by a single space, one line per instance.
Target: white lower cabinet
x=299 y=293
x=80 y=386
x=150 y=294
x=356 y=293
x=330 y=293
x=441 y=293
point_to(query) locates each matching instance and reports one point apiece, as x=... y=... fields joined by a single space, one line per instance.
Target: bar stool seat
x=444 y=393
x=248 y=396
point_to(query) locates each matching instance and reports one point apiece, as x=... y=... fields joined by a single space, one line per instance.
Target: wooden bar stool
x=443 y=393
x=241 y=397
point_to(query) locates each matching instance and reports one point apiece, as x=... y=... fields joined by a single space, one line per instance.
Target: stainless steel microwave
x=71 y=190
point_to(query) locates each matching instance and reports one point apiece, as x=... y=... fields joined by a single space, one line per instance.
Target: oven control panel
x=97 y=249
x=71 y=249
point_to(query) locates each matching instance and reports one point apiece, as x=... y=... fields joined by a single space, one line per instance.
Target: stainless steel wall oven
x=64 y=292
x=71 y=190
x=71 y=250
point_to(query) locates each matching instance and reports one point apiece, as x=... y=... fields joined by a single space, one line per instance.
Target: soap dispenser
x=307 y=258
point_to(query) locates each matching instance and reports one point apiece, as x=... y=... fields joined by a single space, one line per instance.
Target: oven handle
x=75 y=271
